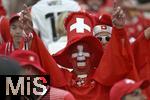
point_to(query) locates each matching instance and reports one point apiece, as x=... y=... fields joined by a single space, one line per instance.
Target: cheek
x=12 y=32
x=88 y=62
x=73 y=62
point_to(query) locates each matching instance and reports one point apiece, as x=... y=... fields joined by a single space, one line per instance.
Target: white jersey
x=58 y=45
x=45 y=13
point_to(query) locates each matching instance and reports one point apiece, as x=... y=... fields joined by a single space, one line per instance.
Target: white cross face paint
x=81 y=56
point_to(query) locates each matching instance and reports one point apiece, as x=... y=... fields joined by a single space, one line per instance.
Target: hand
x=26 y=20
x=147 y=33
x=119 y=17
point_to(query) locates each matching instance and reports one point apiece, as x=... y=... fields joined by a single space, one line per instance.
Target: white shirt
x=58 y=45
x=45 y=13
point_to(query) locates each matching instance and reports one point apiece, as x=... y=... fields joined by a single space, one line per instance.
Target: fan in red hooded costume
x=82 y=54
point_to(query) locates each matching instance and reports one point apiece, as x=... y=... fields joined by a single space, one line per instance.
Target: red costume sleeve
x=47 y=62
x=117 y=62
x=141 y=51
x=5 y=29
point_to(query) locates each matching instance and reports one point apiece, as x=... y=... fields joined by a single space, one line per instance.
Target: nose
x=19 y=31
x=80 y=54
x=104 y=43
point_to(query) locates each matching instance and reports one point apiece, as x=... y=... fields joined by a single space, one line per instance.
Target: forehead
x=103 y=34
x=76 y=46
x=15 y=22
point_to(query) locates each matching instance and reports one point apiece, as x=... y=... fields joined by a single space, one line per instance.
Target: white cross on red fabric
x=80 y=26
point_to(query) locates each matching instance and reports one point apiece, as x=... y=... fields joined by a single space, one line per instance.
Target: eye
x=136 y=93
x=13 y=27
x=107 y=38
x=100 y=38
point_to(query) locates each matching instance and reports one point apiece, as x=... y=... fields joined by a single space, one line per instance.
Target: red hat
x=27 y=58
x=104 y=25
x=14 y=17
x=79 y=27
x=126 y=86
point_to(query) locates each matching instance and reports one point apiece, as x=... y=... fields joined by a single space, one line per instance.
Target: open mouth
x=81 y=64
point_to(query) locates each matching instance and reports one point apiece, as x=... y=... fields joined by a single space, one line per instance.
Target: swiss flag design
x=104 y=27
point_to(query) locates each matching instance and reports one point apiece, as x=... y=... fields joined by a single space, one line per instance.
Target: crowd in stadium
x=91 y=49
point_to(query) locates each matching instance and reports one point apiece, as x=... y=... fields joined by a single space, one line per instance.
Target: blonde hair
x=60 y=28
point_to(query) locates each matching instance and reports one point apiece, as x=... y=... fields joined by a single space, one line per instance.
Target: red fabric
x=105 y=19
x=75 y=37
x=7 y=48
x=2 y=49
x=72 y=19
x=5 y=29
x=47 y=62
x=92 y=90
x=117 y=61
x=125 y=87
x=27 y=58
x=141 y=51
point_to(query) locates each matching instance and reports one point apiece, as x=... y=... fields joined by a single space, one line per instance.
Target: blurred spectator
x=31 y=64
x=9 y=66
x=16 y=33
x=15 y=6
x=97 y=7
x=135 y=22
x=141 y=5
x=128 y=90
x=29 y=61
x=44 y=15
x=83 y=5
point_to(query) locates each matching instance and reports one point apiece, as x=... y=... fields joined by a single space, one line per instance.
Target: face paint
x=81 y=56
x=103 y=38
